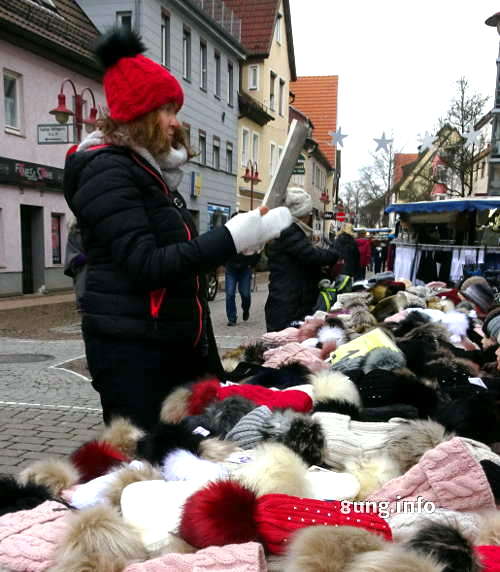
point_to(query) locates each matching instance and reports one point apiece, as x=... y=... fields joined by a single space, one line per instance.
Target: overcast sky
x=397 y=63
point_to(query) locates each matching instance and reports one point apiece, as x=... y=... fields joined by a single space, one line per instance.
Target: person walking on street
x=295 y=266
x=365 y=254
x=145 y=316
x=239 y=271
x=347 y=249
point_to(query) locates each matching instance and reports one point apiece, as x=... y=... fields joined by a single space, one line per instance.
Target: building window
x=229 y=157
x=202 y=145
x=245 y=142
x=165 y=40
x=230 y=84
x=253 y=77
x=255 y=147
x=272 y=159
x=124 y=20
x=203 y=65
x=483 y=167
x=216 y=153
x=186 y=54
x=280 y=152
x=272 y=96
x=56 y=239
x=277 y=28
x=12 y=90
x=218 y=215
x=2 y=240
x=187 y=132
x=217 y=74
x=281 y=96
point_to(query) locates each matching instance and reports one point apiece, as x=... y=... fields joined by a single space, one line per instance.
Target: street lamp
x=494 y=160
x=324 y=198
x=62 y=113
x=251 y=176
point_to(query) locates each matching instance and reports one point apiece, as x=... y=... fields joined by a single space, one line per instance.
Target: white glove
x=252 y=230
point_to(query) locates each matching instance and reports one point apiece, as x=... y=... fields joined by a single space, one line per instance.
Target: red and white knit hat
x=133 y=84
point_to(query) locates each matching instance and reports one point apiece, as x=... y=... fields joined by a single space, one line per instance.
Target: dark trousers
x=133 y=377
x=243 y=279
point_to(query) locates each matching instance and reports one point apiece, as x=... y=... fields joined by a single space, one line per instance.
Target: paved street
x=48 y=410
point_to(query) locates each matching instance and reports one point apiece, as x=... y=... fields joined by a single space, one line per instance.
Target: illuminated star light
x=427 y=141
x=383 y=143
x=471 y=138
x=337 y=138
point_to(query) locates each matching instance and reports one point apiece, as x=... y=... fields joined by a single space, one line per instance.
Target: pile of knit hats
x=361 y=440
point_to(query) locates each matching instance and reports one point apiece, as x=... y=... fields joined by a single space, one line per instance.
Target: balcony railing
x=222 y=15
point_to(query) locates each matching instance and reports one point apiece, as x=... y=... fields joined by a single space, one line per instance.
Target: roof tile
x=400 y=160
x=257 y=23
x=316 y=97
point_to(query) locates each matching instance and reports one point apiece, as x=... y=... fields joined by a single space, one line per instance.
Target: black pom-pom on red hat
x=116 y=44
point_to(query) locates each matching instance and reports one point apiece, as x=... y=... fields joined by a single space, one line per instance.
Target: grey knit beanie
x=299 y=202
x=494 y=327
x=246 y=433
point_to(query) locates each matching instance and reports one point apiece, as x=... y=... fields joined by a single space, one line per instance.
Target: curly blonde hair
x=145 y=131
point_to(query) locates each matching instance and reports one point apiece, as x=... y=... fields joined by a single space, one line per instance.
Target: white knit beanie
x=299 y=202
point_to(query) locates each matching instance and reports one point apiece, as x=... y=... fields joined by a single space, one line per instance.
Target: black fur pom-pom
x=14 y=496
x=116 y=44
x=164 y=438
x=446 y=545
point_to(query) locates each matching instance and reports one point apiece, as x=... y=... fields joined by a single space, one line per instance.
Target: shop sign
x=328 y=215
x=300 y=167
x=24 y=174
x=196 y=183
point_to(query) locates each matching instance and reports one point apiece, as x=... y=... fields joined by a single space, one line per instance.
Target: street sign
x=300 y=167
x=54 y=133
x=340 y=216
x=328 y=215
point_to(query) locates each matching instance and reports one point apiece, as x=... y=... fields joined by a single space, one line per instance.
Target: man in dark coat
x=295 y=266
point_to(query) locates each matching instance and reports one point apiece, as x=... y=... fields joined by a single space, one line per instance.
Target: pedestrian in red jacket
x=365 y=253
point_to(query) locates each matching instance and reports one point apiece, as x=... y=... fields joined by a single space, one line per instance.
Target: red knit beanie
x=133 y=84
x=226 y=512
x=489 y=557
x=205 y=392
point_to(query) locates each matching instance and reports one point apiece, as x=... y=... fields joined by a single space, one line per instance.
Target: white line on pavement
x=50 y=406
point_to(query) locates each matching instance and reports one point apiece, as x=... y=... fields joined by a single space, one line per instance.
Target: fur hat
x=182 y=465
x=287 y=375
x=133 y=84
x=165 y=438
x=334 y=391
x=328 y=548
x=221 y=416
x=298 y=201
x=410 y=322
x=15 y=496
x=389 y=306
x=409 y=441
x=481 y=295
x=98 y=539
x=394 y=559
x=226 y=512
x=275 y=469
x=384 y=358
x=96 y=458
x=447 y=546
x=381 y=387
x=122 y=435
x=387 y=412
x=55 y=474
x=475 y=416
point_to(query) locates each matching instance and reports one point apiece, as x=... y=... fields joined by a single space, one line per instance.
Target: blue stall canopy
x=363 y=229
x=471 y=204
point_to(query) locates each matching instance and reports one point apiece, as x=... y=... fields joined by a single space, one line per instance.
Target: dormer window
x=277 y=28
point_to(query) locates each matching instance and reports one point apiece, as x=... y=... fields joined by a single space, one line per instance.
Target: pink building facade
x=34 y=216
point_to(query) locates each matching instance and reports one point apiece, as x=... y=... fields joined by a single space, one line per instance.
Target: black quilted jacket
x=145 y=276
x=295 y=270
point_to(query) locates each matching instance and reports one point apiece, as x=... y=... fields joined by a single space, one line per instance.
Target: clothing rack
x=445 y=247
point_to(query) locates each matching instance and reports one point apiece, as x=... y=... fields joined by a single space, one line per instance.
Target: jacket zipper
x=157 y=297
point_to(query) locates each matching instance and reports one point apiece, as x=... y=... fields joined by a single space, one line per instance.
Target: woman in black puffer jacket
x=295 y=266
x=345 y=245
x=145 y=316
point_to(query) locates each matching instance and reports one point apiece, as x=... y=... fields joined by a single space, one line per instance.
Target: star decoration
x=337 y=137
x=471 y=138
x=427 y=141
x=383 y=143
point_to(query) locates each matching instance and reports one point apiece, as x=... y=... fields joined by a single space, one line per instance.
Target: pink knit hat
x=295 y=352
x=447 y=475
x=248 y=557
x=28 y=538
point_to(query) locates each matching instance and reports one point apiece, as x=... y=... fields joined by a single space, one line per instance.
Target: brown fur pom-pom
x=56 y=474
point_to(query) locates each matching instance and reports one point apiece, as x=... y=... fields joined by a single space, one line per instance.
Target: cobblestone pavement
x=47 y=409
